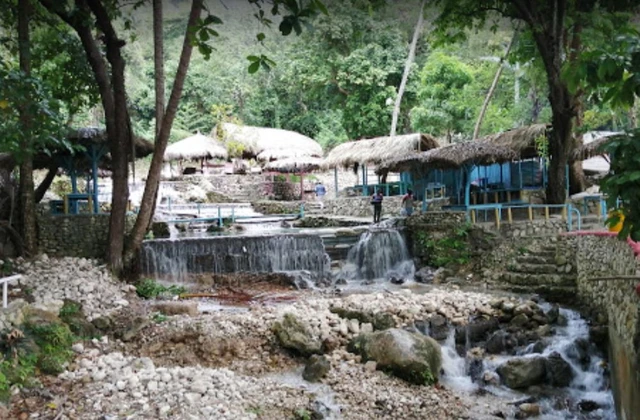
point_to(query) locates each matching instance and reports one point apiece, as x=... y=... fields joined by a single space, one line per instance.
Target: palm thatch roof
x=279 y=154
x=98 y=136
x=303 y=164
x=268 y=141
x=522 y=140
x=593 y=148
x=377 y=150
x=454 y=156
x=195 y=147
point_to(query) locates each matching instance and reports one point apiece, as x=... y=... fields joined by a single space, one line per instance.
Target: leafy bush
x=445 y=251
x=54 y=341
x=151 y=289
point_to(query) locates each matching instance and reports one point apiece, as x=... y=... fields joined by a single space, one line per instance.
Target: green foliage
x=302 y=414
x=158 y=318
x=70 y=309
x=623 y=183
x=151 y=289
x=235 y=149
x=54 y=340
x=450 y=250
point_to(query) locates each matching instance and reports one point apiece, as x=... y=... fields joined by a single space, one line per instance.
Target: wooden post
x=497 y=214
x=496 y=198
x=509 y=215
x=564 y=213
x=66 y=204
x=508 y=196
x=530 y=209
x=473 y=217
x=599 y=209
x=546 y=212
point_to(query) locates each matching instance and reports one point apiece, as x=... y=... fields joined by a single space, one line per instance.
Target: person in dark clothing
x=376 y=200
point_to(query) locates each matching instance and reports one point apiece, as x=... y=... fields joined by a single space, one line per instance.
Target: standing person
x=376 y=200
x=407 y=203
x=321 y=191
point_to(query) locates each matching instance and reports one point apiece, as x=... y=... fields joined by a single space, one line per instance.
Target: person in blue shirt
x=321 y=191
x=376 y=200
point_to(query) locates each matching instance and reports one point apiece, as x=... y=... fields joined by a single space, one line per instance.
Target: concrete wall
x=81 y=235
x=615 y=302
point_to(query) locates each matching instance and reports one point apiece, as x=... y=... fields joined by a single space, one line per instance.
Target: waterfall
x=176 y=259
x=379 y=254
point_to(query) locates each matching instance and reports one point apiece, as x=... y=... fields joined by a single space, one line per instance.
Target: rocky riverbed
x=172 y=361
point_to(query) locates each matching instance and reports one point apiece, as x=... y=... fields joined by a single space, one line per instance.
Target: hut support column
x=95 y=156
x=467 y=186
x=301 y=186
x=335 y=180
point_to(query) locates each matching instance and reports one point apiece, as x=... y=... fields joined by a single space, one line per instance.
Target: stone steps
x=534 y=259
x=537 y=268
x=533 y=280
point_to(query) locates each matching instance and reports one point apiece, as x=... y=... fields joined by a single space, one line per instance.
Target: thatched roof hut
x=377 y=150
x=303 y=164
x=195 y=147
x=454 y=156
x=522 y=140
x=268 y=143
x=87 y=136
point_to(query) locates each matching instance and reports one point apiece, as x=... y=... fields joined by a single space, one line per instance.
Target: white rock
x=78 y=348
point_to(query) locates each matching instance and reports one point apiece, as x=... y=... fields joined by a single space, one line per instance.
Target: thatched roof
x=379 y=149
x=522 y=140
x=94 y=135
x=279 y=154
x=269 y=141
x=455 y=155
x=195 y=147
x=303 y=164
x=593 y=148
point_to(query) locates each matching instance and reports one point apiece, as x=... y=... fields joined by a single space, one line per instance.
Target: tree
x=553 y=29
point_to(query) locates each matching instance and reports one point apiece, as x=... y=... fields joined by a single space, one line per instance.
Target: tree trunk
x=158 y=62
x=27 y=202
x=407 y=70
x=494 y=85
x=45 y=184
x=147 y=206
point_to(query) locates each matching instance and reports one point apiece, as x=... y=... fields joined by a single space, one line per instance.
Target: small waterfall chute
x=379 y=254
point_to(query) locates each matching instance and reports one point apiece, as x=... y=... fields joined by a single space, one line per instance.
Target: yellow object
x=4 y=103
x=618 y=226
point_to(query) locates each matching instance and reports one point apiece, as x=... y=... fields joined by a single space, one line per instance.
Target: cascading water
x=176 y=259
x=379 y=254
x=589 y=382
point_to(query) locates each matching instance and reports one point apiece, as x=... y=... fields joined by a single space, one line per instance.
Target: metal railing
x=567 y=211
x=5 y=288
x=233 y=217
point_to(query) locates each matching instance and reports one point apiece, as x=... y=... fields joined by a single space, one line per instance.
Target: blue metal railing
x=473 y=210
x=233 y=217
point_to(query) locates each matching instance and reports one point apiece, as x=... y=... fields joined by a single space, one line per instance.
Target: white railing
x=5 y=288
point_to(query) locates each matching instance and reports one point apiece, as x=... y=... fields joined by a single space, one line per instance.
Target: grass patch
x=151 y=289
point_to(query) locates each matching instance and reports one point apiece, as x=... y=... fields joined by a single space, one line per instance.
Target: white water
x=589 y=382
x=380 y=254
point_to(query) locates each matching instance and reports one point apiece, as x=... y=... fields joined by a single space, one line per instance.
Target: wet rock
x=497 y=342
x=422 y=326
x=543 y=331
x=441 y=275
x=537 y=347
x=562 y=321
x=588 y=406
x=425 y=275
x=490 y=378
x=508 y=307
x=475 y=368
x=477 y=330
x=412 y=357
x=519 y=321
x=599 y=335
x=522 y=372
x=553 y=314
x=438 y=327
x=396 y=280
x=559 y=371
x=578 y=351
x=523 y=309
x=527 y=410
x=383 y=321
x=294 y=335
x=316 y=368
x=103 y=323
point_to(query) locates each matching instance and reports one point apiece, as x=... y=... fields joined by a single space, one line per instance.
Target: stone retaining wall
x=362 y=207
x=615 y=302
x=549 y=227
x=80 y=235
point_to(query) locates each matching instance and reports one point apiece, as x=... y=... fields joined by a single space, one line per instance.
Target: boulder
x=425 y=275
x=519 y=321
x=587 y=406
x=383 y=321
x=527 y=410
x=477 y=330
x=438 y=327
x=559 y=371
x=578 y=351
x=413 y=357
x=171 y=308
x=497 y=342
x=553 y=314
x=316 y=368
x=363 y=317
x=522 y=372
x=73 y=315
x=294 y=335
